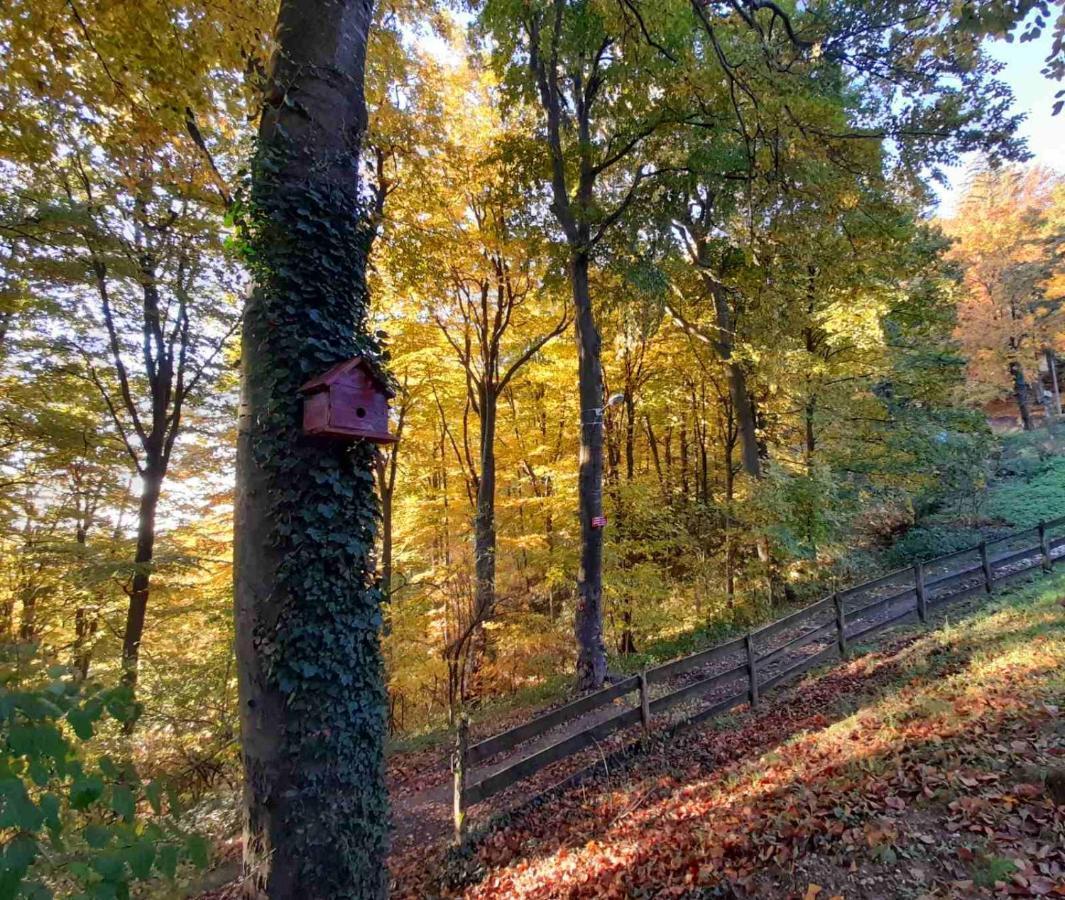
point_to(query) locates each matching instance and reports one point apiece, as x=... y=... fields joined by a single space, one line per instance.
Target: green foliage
x=307 y=251
x=1024 y=502
x=800 y=511
x=929 y=541
x=74 y=825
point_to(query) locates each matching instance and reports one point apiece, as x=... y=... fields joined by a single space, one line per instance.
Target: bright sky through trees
x=1034 y=96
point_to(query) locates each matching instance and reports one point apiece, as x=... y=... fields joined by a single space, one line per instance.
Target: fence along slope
x=852 y=615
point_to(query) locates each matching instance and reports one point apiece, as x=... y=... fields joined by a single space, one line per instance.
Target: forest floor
x=931 y=766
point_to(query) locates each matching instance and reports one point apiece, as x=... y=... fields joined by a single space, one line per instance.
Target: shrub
x=928 y=541
x=72 y=825
x=1025 y=503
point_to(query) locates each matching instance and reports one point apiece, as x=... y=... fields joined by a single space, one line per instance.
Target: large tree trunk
x=1021 y=394
x=152 y=484
x=591 y=651
x=307 y=607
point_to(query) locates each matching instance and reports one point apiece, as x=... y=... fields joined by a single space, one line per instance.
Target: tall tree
x=307 y=604
x=588 y=71
x=1007 y=242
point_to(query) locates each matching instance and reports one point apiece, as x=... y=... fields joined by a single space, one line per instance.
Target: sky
x=1034 y=96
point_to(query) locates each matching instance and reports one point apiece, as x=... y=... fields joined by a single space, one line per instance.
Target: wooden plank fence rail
x=789 y=621
x=817 y=634
x=904 y=572
x=499 y=781
x=690 y=691
x=948 y=580
x=800 y=667
x=697 y=660
x=882 y=603
x=748 y=659
x=507 y=740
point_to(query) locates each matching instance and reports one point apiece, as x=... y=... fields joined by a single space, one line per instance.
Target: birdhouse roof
x=341 y=369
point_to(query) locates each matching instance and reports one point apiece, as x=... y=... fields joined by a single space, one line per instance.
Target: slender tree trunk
x=630 y=434
x=386 y=543
x=591 y=651
x=811 y=437
x=667 y=441
x=1055 y=389
x=730 y=493
x=85 y=624
x=28 y=619
x=684 y=460
x=152 y=484
x=652 y=443
x=307 y=607
x=484 y=527
x=1021 y=394
x=484 y=520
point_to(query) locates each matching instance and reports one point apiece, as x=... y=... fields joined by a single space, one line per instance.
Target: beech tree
x=588 y=71
x=308 y=614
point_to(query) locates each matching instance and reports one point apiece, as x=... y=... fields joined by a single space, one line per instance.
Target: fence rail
x=753 y=659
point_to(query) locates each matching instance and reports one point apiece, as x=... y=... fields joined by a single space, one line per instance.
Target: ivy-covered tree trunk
x=307 y=605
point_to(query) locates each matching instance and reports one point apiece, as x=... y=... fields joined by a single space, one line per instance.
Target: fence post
x=752 y=671
x=841 y=625
x=985 y=562
x=645 y=702
x=918 y=580
x=1044 y=547
x=458 y=768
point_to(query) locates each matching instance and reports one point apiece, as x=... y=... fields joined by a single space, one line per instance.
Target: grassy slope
x=913 y=771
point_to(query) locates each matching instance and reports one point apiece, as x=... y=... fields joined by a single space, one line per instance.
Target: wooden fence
x=738 y=671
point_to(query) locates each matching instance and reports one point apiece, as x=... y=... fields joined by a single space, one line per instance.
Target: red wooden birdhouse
x=350 y=402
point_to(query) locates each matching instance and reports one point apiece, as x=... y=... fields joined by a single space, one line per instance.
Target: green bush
x=1027 y=464
x=1024 y=503
x=73 y=825
x=929 y=541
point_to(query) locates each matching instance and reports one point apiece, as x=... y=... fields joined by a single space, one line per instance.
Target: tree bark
x=811 y=435
x=85 y=624
x=1055 y=389
x=1021 y=394
x=484 y=522
x=591 y=651
x=152 y=483
x=307 y=606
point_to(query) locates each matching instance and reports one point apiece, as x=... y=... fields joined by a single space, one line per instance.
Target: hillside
x=929 y=767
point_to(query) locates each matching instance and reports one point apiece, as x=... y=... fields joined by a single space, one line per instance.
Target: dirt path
x=421 y=813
